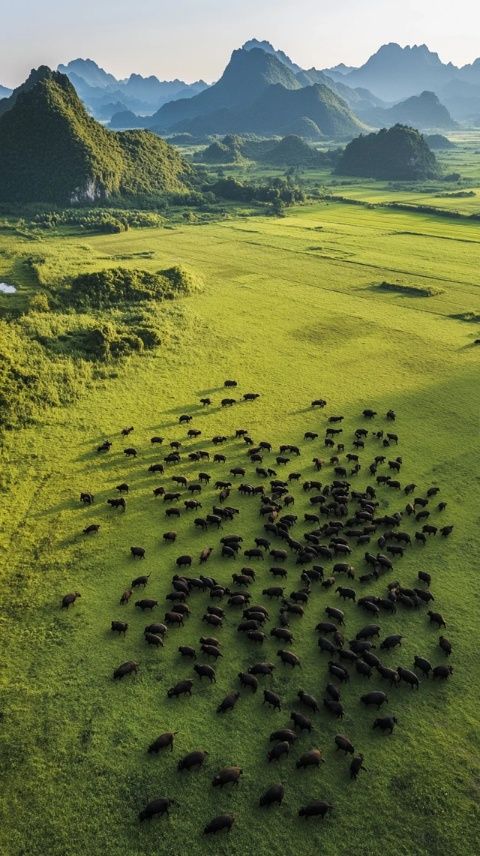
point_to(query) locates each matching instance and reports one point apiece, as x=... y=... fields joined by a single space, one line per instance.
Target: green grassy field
x=291 y=310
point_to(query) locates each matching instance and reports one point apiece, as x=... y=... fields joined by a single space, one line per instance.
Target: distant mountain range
x=309 y=102
x=422 y=111
x=394 y=73
x=258 y=93
x=52 y=151
x=104 y=95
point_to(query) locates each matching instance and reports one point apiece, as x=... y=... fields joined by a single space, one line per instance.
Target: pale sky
x=193 y=39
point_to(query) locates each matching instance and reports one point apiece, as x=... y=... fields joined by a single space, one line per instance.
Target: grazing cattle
x=316 y=808
x=122 y=488
x=280 y=749
x=172 y=512
x=211 y=651
x=273 y=591
x=128 y=668
x=254 y=553
x=344 y=744
x=445 y=531
x=429 y=529
x=204 y=671
x=70 y=598
x=130 y=452
x=170 y=537
x=247 y=680
x=334 y=707
x=87 y=498
x=445 y=645
x=222 y=821
x=158 y=491
x=273 y=794
x=422 y=664
x=119 y=627
x=153 y=639
x=157 y=629
x=182 y=688
x=336 y=614
x=338 y=671
x=261 y=669
x=272 y=699
x=300 y=721
x=173 y=617
x=436 y=618
x=385 y=723
x=193 y=759
x=156 y=440
x=408 y=677
x=137 y=552
x=105 y=447
x=282 y=633
x=183 y=561
x=326 y=645
x=368 y=632
x=356 y=765
x=227 y=776
x=146 y=603
x=156 y=807
x=374 y=698
x=228 y=702
x=165 y=739
x=346 y=593
x=289 y=658
x=308 y=700
x=118 y=503
x=126 y=596
x=187 y=651
x=312 y=758
x=92 y=529
x=442 y=672
x=283 y=734
x=205 y=554
x=391 y=641
x=363 y=668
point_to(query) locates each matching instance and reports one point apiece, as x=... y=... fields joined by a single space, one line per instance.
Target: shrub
x=116 y=286
x=39 y=302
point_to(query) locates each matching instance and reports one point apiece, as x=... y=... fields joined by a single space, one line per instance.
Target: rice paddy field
x=291 y=308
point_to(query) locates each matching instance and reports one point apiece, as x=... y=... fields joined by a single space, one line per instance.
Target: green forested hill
x=399 y=153
x=53 y=151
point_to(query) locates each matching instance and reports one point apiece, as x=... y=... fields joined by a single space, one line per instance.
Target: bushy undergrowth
x=115 y=286
x=49 y=355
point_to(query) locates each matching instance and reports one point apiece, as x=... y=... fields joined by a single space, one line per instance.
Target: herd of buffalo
x=340 y=517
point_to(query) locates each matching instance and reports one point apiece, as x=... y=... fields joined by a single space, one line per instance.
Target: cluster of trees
x=278 y=192
x=117 y=286
x=98 y=219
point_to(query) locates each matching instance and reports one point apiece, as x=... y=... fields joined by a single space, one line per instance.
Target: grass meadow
x=291 y=309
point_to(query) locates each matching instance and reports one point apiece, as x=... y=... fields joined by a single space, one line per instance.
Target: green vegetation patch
x=115 y=286
x=408 y=290
x=399 y=153
x=470 y=317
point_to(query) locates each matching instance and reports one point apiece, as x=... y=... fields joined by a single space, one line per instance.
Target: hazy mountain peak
x=89 y=71
x=253 y=44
